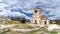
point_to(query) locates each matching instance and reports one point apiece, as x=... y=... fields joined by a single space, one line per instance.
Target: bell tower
x=36 y=16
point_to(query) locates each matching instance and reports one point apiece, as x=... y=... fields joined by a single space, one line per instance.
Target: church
x=38 y=18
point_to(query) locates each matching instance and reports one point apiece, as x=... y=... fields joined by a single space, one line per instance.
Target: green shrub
x=9 y=22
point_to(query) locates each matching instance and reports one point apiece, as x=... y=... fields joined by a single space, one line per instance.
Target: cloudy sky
x=24 y=8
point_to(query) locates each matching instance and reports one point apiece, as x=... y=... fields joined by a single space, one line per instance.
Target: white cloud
x=9 y=12
x=6 y=13
x=52 y=11
x=52 y=6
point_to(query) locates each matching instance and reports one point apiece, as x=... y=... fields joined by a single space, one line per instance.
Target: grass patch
x=23 y=26
x=42 y=32
x=51 y=32
x=11 y=32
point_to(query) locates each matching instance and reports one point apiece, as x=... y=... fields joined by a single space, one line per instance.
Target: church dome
x=43 y=17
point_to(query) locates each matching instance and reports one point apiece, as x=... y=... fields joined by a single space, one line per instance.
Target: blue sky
x=19 y=8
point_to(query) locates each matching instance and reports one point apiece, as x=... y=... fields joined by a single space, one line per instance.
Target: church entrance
x=45 y=22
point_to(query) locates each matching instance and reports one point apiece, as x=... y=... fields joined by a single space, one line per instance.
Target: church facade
x=38 y=18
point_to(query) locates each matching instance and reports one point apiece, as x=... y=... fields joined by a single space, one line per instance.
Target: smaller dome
x=43 y=17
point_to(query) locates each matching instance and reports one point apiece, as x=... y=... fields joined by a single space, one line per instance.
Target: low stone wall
x=25 y=30
x=2 y=31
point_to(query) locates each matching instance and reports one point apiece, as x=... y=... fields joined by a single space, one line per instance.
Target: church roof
x=43 y=17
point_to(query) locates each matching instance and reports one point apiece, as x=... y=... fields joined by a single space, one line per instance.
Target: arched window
x=35 y=21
